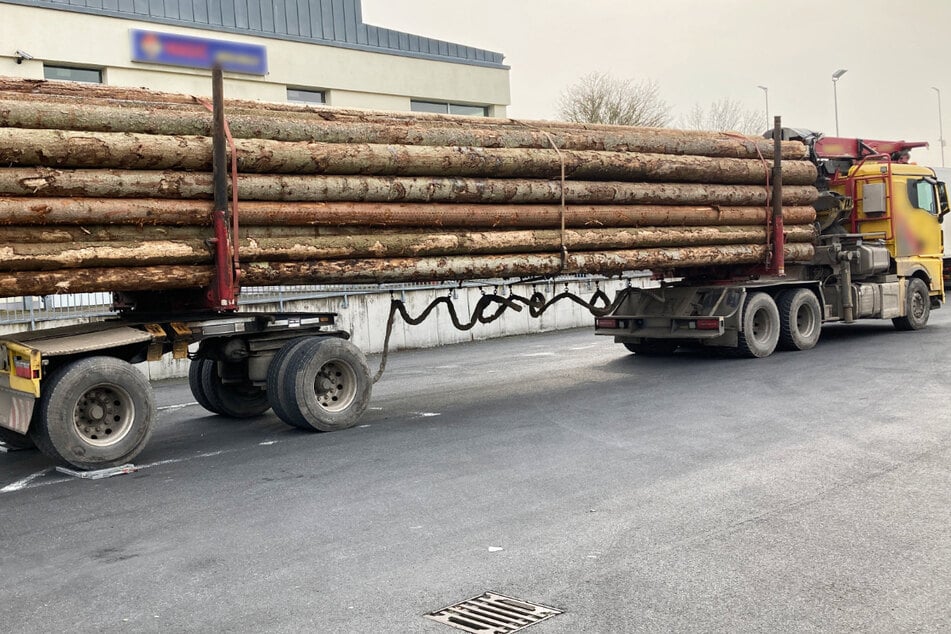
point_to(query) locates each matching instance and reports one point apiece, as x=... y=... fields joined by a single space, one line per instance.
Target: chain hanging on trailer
x=491 y=306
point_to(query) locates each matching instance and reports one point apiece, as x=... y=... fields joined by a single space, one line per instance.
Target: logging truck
x=688 y=204
x=878 y=255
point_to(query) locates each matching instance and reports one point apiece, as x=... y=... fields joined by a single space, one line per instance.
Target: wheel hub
x=103 y=415
x=336 y=386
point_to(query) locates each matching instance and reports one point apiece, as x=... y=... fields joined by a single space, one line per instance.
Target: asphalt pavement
x=803 y=492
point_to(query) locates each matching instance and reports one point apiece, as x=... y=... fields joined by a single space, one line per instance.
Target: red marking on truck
x=22 y=369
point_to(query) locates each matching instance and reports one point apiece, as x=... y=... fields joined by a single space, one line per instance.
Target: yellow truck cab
x=904 y=205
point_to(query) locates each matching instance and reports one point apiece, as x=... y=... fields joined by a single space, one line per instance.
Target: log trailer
x=878 y=255
x=74 y=393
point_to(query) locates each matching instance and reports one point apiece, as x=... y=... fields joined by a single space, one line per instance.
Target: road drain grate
x=493 y=613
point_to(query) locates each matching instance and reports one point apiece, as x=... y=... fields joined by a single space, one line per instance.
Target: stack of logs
x=105 y=188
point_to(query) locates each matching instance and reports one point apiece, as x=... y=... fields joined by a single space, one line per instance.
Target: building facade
x=312 y=51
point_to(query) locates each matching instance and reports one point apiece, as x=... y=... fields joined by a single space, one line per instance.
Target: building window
x=70 y=73
x=448 y=108
x=306 y=95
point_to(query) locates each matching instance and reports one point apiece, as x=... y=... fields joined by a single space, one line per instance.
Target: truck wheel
x=760 y=332
x=94 y=413
x=653 y=347
x=15 y=440
x=195 y=370
x=800 y=317
x=917 y=306
x=276 y=373
x=235 y=400
x=326 y=385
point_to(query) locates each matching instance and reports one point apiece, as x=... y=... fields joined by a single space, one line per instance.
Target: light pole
x=766 y=93
x=835 y=95
x=940 y=126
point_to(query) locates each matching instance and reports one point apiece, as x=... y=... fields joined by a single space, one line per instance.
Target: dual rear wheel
x=313 y=383
x=793 y=321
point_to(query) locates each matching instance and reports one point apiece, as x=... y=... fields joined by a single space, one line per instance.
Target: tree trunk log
x=146 y=278
x=63 y=148
x=170 y=213
x=502 y=266
x=71 y=113
x=86 y=233
x=95 y=183
x=43 y=256
x=158 y=278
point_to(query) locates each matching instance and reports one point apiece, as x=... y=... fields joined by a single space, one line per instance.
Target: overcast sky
x=700 y=51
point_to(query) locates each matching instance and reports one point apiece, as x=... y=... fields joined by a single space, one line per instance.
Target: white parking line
x=24 y=482
x=30 y=480
x=172 y=408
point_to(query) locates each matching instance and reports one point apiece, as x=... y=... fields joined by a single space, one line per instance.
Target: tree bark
x=63 y=148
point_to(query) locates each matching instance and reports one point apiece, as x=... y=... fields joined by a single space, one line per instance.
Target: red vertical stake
x=779 y=236
x=222 y=292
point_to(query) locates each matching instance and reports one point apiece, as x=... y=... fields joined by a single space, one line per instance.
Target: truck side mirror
x=943 y=205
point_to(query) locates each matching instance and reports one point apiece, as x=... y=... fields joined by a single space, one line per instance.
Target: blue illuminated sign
x=198 y=52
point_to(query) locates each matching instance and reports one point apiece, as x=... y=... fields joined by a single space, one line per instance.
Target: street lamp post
x=940 y=125
x=835 y=96
x=766 y=94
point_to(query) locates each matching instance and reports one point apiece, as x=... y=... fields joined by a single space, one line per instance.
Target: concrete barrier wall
x=365 y=317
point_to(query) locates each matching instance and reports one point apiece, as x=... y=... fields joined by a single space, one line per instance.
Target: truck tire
x=234 y=400
x=15 y=440
x=94 y=413
x=276 y=373
x=800 y=317
x=195 y=369
x=917 y=306
x=760 y=331
x=327 y=385
x=653 y=347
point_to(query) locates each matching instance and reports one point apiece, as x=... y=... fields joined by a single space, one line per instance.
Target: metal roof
x=324 y=22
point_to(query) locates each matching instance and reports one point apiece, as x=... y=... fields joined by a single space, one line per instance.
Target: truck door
x=918 y=239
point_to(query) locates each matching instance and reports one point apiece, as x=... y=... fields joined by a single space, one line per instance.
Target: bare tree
x=725 y=115
x=602 y=98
